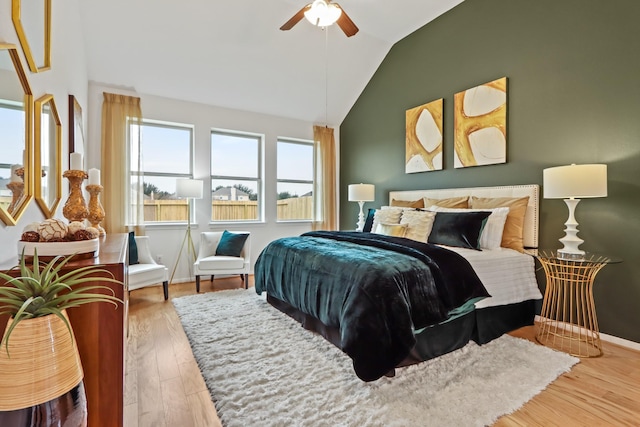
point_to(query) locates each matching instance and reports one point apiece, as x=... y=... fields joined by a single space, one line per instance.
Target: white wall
x=68 y=75
x=166 y=240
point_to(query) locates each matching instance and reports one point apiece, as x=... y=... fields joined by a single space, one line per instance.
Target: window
x=165 y=156
x=235 y=176
x=295 y=180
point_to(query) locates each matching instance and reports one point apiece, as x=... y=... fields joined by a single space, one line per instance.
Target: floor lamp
x=187 y=189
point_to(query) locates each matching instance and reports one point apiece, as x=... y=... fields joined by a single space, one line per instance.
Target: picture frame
x=424 y=137
x=76 y=128
x=480 y=125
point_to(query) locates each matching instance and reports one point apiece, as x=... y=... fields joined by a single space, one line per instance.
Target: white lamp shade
x=575 y=181
x=189 y=188
x=362 y=192
x=322 y=13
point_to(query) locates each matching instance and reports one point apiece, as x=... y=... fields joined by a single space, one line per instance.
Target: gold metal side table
x=568 y=320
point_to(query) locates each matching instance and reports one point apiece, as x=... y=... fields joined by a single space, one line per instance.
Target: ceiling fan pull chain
x=326 y=76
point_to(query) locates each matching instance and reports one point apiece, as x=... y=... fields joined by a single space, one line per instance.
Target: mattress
x=508 y=275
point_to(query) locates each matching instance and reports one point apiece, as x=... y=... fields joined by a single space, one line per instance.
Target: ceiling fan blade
x=346 y=24
x=295 y=18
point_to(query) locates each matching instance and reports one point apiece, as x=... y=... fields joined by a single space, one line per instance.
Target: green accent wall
x=573 y=69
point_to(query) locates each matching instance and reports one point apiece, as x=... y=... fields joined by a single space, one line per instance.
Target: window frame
x=167 y=125
x=259 y=180
x=299 y=141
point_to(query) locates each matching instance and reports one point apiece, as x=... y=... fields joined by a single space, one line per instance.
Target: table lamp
x=361 y=193
x=572 y=183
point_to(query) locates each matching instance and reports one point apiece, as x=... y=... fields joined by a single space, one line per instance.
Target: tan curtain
x=324 y=187
x=118 y=112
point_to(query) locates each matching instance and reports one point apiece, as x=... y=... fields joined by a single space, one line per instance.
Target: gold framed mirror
x=16 y=139
x=32 y=21
x=47 y=155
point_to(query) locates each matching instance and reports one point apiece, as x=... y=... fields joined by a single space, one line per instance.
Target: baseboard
x=620 y=341
x=203 y=278
x=614 y=340
x=183 y=280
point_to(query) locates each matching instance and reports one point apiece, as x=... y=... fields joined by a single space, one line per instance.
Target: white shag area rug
x=263 y=369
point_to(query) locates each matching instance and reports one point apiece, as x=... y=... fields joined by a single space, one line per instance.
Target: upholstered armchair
x=223 y=252
x=147 y=272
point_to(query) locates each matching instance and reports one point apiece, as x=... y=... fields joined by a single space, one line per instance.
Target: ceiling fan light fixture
x=323 y=14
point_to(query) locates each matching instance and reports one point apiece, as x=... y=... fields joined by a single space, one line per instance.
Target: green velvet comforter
x=376 y=289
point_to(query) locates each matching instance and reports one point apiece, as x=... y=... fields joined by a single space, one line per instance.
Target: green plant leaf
x=42 y=289
x=16 y=319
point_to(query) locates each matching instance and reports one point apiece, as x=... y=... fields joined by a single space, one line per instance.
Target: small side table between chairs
x=568 y=320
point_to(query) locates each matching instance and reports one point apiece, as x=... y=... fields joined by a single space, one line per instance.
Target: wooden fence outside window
x=296 y=208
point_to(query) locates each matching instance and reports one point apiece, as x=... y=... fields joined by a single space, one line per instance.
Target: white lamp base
x=571 y=241
x=360 y=224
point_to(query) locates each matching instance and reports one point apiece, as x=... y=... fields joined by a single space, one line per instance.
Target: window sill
x=169 y=225
x=213 y=224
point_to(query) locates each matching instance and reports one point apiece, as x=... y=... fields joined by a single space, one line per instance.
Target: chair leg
x=212 y=278
x=197 y=283
x=246 y=281
x=165 y=288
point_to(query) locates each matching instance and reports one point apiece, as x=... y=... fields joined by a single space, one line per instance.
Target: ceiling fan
x=323 y=13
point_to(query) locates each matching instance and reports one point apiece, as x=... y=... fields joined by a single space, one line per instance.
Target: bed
x=389 y=299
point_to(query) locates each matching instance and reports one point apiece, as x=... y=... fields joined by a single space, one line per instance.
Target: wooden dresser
x=100 y=331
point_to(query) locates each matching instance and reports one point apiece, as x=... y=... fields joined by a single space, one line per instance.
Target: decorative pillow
x=386 y=215
x=418 y=223
x=492 y=232
x=418 y=204
x=231 y=244
x=461 y=229
x=368 y=222
x=450 y=202
x=397 y=230
x=514 y=226
x=133 y=249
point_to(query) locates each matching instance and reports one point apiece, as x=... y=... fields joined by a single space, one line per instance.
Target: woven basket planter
x=42 y=363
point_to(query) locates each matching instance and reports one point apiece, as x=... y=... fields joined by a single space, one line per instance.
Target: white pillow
x=387 y=215
x=491 y=236
x=419 y=224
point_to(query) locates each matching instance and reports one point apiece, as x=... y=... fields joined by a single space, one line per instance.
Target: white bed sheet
x=508 y=275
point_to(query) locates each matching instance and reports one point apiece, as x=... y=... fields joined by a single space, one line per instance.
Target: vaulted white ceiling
x=232 y=54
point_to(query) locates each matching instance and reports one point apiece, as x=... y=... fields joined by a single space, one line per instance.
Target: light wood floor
x=164 y=387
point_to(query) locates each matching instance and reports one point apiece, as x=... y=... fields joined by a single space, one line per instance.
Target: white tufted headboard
x=531 y=219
